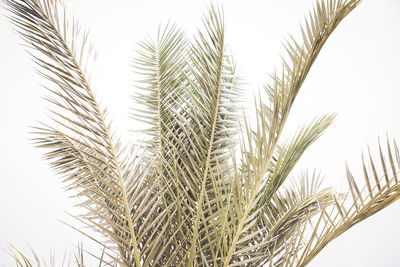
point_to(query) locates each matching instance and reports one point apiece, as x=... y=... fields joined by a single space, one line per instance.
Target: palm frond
x=380 y=189
x=263 y=217
x=160 y=64
x=282 y=93
x=214 y=95
x=186 y=196
x=287 y=211
x=78 y=259
x=289 y=155
x=82 y=147
x=262 y=142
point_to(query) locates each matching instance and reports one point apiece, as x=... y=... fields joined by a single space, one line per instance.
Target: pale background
x=356 y=75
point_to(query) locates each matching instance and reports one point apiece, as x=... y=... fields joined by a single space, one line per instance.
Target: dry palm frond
x=82 y=146
x=380 y=189
x=190 y=195
x=271 y=118
x=78 y=259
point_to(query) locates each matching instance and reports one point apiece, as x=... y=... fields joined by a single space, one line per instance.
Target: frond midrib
x=105 y=129
x=208 y=158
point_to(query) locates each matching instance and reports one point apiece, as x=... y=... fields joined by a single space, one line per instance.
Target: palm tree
x=206 y=185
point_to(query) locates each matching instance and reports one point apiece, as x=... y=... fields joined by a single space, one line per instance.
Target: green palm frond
x=288 y=156
x=206 y=186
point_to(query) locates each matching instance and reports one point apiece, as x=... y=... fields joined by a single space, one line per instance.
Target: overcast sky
x=356 y=75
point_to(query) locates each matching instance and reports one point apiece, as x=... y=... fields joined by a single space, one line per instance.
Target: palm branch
x=205 y=185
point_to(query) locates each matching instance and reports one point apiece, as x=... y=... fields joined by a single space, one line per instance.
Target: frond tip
x=380 y=189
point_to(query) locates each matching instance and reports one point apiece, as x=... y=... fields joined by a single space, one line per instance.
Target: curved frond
x=81 y=145
x=289 y=155
x=380 y=189
x=270 y=118
x=271 y=238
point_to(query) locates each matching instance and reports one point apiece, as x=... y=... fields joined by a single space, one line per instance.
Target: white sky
x=356 y=75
